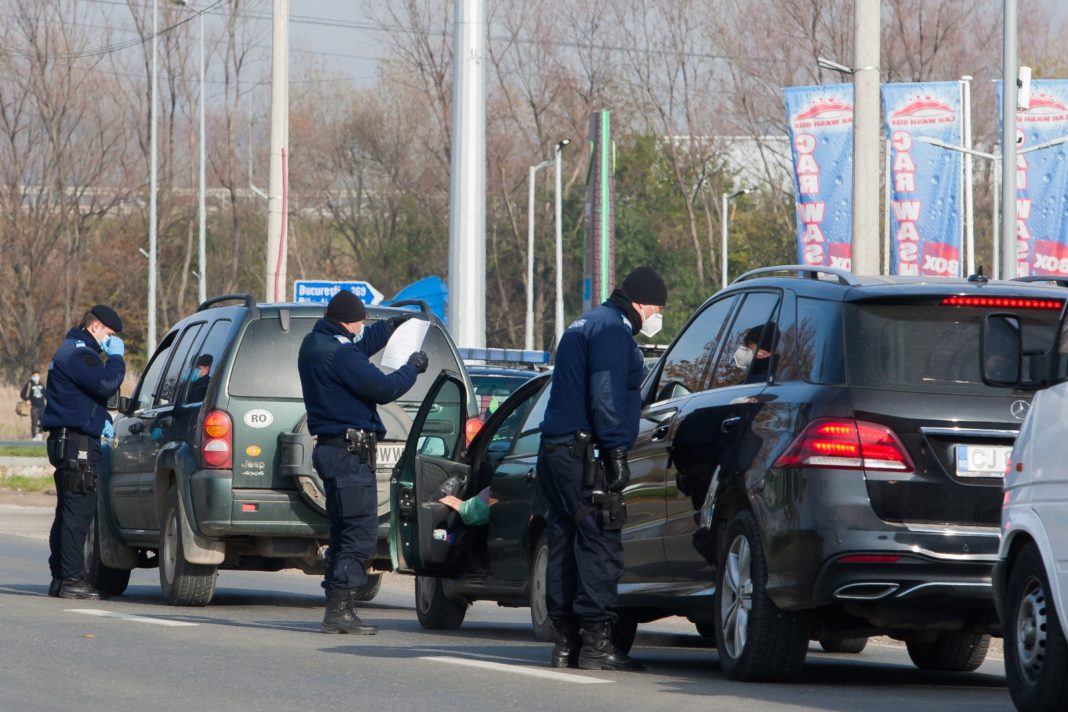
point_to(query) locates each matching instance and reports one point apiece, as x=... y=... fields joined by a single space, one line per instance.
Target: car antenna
x=978 y=276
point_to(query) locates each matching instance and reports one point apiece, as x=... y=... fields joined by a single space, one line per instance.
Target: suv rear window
x=266 y=361
x=926 y=348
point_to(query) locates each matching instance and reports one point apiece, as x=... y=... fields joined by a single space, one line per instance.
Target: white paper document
x=406 y=340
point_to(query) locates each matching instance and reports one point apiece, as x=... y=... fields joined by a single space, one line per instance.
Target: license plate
x=389 y=455
x=982 y=460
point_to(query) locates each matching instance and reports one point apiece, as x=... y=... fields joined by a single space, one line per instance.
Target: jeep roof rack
x=248 y=299
x=803 y=272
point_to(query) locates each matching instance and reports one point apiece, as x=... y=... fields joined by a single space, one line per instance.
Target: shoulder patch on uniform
x=79 y=344
x=577 y=323
x=90 y=360
x=343 y=339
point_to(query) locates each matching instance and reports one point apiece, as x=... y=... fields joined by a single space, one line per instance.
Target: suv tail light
x=844 y=443
x=218 y=440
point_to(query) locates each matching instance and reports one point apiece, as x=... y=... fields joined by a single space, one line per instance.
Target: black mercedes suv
x=818 y=459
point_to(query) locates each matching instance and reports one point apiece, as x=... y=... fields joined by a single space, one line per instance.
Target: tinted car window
x=755 y=323
x=202 y=367
x=146 y=391
x=686 y=363
x=927 y=347
x=530 y=433
x=173 y=378
x=817 y=341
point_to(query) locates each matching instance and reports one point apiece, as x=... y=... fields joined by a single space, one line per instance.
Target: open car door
x=426 y=537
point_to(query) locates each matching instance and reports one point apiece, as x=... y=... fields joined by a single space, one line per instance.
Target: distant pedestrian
x=79 y=385
x=33 y=394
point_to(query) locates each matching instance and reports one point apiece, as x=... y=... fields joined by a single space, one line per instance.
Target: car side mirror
x=1001 y=352
x=119 y=403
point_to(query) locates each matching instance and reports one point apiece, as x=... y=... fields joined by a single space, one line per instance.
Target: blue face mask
x=358 y=337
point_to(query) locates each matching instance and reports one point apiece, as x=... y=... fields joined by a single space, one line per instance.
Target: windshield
x=927 y=348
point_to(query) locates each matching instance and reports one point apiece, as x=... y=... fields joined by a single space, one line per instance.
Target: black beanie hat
x=645 y=286
x=108 y=317
x=346 y=307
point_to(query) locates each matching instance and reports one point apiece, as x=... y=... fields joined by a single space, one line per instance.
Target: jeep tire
x=434 y=610
x=103 y=578
x=182 y=583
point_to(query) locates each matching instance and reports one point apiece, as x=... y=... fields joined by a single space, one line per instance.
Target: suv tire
x=1036 y=654
x=182 y=583
x=103 y=578
x=851 y=646
x=544 y=630
x=369 y=590
x=950 y=652
x=434 y=610
x=756 y=640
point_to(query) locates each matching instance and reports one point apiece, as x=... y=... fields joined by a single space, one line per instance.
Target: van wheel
x=846 y=645
x=1036 y=654
x=369 y=590
x=434 y=610
x=756 y=640
x=183 y=584
x=103 y=578
x=539 y=609
x=951 y=652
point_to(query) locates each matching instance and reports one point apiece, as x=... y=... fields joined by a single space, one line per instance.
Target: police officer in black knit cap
x=75 y=416
x=341 y=391
x=590 y=423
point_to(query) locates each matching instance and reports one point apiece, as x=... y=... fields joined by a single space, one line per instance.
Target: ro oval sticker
x=258 y=418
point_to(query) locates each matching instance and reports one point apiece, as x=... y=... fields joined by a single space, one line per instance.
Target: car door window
x=529 y=436
x=750 y=342
x=146 y=390
x=686 y=364
x=173 y=375
x=204 y=365
x=439 y=435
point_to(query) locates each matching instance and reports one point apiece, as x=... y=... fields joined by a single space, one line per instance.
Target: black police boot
x=568 y=642
x=341 y=614
x=599 y=653
x=53 y=588
x=78 y=589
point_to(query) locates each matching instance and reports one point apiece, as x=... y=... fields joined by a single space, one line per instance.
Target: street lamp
x=152 y=180
x=559 y=244
x=727 y=198
x=202 y=258
x=528 y=340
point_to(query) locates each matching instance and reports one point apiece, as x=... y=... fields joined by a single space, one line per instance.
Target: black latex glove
x=616 y=469
x=419 y=361
x=395 y=321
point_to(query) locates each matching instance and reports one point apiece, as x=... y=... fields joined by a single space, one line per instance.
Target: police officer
x=75 y=416
x=341 y=391
x=594 y=407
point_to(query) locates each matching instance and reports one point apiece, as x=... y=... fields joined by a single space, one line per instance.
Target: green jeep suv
x=210 y=464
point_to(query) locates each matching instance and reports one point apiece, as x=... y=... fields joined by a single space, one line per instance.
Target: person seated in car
x=754 y=354
x=199 y=378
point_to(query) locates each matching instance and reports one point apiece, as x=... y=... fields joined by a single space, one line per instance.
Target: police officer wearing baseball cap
x=341 y=391
x=594 y=408
x=80 y=382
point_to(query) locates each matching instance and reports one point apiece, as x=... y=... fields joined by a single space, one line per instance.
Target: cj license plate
x=982 y=460
x=389 y=455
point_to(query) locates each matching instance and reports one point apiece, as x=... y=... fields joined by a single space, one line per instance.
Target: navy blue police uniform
x=79 y=386
x=595 y=389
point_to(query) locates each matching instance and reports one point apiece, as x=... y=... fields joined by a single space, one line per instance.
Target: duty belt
x=352 y=437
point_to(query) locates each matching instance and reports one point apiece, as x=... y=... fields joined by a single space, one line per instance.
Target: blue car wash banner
x=1042 y=181
x=821 y=137
x=926 y=198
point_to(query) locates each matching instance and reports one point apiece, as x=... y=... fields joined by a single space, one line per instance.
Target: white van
x=1031 y=576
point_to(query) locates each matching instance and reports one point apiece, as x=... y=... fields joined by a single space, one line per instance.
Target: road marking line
x=515 y=669
x=130 y=617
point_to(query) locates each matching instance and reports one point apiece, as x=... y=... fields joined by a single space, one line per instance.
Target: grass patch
x=23 y=451
x=26 y=483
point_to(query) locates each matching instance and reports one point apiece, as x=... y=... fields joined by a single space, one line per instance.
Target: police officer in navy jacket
x=595 y=394
x=341 y=391
x=80 y=383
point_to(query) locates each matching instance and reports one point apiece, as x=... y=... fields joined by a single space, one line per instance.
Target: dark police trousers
x=74 y=512
x=352 y=505
x=585 y=562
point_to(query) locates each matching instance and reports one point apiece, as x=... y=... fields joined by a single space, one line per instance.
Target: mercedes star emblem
x=1019 y=409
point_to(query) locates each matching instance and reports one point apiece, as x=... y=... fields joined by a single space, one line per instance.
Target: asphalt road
x=257 y=646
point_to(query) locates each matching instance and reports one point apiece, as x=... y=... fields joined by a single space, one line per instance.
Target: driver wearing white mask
x=754 y=353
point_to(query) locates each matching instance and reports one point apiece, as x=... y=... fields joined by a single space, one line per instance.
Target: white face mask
x=35 y=379
x=652 y=325
x=743 y=356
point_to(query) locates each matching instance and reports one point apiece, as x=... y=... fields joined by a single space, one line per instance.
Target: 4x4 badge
x=1019 y=409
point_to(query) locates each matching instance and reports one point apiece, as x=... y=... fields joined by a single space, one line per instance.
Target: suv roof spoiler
x=248 y=299
x=423 y=306
x=803 y=272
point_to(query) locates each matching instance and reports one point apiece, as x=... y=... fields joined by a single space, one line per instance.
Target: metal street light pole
x=866 y=143
x=202 y=259
x=150 y=344
x=528 y=339
x=1008 y=143
x=278 y=187
x=727 y=198
x=559 y=243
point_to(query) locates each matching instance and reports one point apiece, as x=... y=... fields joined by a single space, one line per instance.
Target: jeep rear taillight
x=218 y=440
x=849 y=444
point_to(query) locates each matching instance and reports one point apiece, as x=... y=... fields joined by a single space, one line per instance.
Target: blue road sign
x=319 y=291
